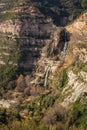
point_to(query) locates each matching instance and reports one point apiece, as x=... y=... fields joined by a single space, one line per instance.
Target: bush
x=84 y=4
x=9 y=70
x=3 y=118
x=79 y=114
x=54 y=115
x=64 y=79
x=37 y=108
x=24 y=125
x=7 y=73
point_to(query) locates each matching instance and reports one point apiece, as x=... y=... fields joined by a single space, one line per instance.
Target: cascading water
x=63 y=56
x=46 y=76
x=65 y=45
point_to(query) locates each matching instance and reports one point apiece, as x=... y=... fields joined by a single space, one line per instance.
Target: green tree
x=3 y=117
x=84 y=4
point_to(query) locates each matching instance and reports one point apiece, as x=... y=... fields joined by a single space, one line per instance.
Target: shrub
x=9 y=70
x=54 y=115
x=7 y=73
x=3 y=118
x=44 y=102
x=79 y=114
x=84 y=4
x=64 y=79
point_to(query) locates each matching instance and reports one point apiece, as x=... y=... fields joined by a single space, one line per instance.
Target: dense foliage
x=59 y=9
x=84 y=4
x=55 y=118
x=10 y=56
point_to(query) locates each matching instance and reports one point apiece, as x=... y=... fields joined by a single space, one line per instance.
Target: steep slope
x=77 y=82
x=61 y=11
x=43 y=69
x=26 y=36
x=33 y=46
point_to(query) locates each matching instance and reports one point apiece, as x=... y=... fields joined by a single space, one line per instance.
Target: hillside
x=43 y=65
x=61 y=11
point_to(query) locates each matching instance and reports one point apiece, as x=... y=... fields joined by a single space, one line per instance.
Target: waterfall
x=63 y=56
x=46 y=76
x=65 y=45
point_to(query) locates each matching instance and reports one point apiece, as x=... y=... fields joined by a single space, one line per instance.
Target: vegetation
x=44 y=102
x=54 y=118
x=64 y=78
x=7 y=74
x=80 y=67
x=57 y=9
x=10 y=57
x=79 y=114
x=3 y=116
x=24 y=125
x=84 y=4
x=44 y=112
x=7 y=16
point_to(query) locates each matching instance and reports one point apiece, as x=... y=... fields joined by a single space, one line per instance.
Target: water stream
x=65 y=44
x=46 y=76
x=63 y=56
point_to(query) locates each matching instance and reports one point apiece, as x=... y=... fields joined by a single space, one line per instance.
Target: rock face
x=78 y=37
x=28 y=39
x=79 y=27
x=33 y=47
x=76 y=87
x=77 y=54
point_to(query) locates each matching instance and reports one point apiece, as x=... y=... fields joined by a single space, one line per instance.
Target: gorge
x=43 y=65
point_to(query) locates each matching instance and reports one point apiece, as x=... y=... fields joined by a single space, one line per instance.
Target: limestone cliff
x=43 y=69
x=77 y=57
x=35 y=52
x=27 y=37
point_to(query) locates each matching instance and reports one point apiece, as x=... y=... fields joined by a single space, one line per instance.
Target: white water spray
x=46 y=75
x=65 y=45
x=64 y=54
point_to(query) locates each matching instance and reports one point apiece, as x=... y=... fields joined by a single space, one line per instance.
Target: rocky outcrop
x=77 y=53
x=35 y=40
x=76 y=87
x=79 y=27
x=32 y=49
